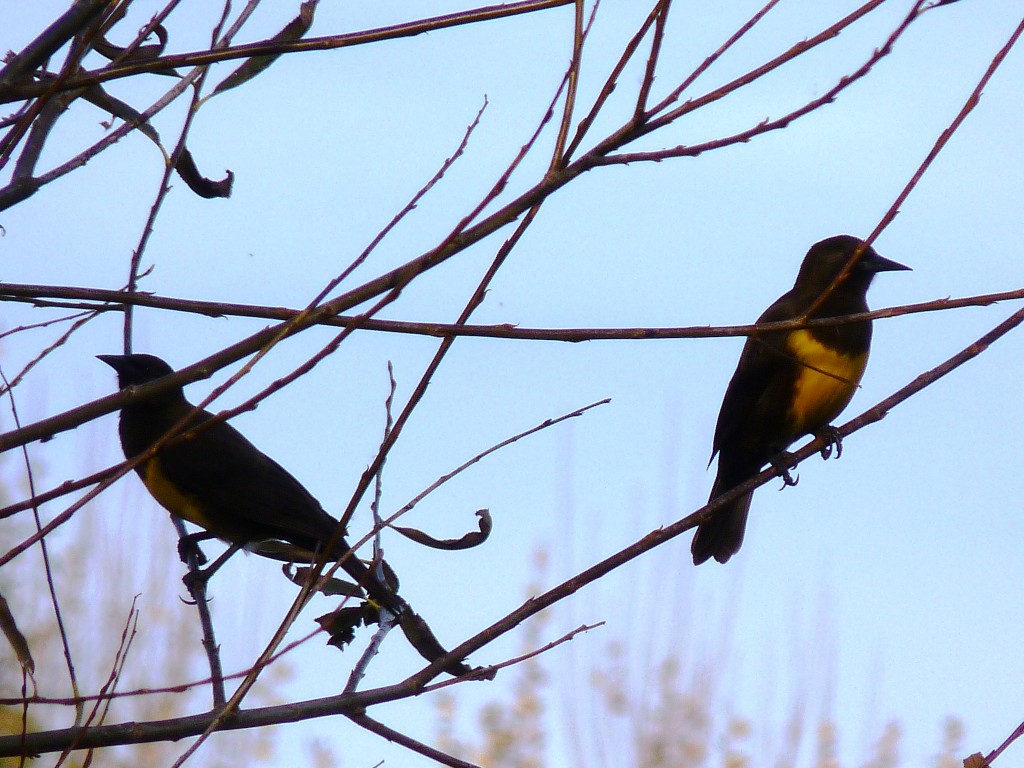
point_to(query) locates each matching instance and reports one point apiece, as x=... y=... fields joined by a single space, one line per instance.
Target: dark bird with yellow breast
x=215 y=478
x=790 y=383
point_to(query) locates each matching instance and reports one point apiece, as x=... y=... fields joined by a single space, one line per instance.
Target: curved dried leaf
x=202 y=186
x=15 y=638
x=341 y=625
x=110 y=51
x=294 y=30
x=96 y=95
x=423 y=640
x=467 y=541
x=332 y=588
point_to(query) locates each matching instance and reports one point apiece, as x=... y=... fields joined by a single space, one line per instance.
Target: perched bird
x=790 y=383
x=218 y=480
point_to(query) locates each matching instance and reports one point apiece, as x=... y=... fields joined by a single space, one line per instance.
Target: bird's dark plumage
x=218 y=480
x=215 y=479
x=790 y=383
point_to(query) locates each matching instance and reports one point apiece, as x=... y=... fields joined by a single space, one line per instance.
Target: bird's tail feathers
x=722 y=535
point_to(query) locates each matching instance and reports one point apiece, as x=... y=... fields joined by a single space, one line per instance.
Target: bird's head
x=828 y=258
x=136 y=369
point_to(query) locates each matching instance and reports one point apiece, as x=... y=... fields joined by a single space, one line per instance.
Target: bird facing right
x=793 y=383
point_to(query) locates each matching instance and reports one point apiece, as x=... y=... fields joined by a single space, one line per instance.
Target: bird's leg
x=188 y=547
x=201 y=576
x=783 y=461
x=830 y=436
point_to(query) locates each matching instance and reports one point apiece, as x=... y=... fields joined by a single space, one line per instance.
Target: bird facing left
x=215 y=478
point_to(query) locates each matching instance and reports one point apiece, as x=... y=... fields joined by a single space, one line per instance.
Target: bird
x=792 y=383
x=218 y=480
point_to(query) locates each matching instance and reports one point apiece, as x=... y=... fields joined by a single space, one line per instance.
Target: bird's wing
x=243 y=489
x=763 y=379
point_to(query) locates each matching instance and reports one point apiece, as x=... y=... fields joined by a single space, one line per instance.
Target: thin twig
x=275 y=48
x=197 y=590
x=558 y=158
x=706 y=64
x=398 y=737
x=969 y=105
x=604 y=152
x=792 y=53
x=987 y=761
x=611 y=81
x=937 y=147
x=387 y=621
x=485 y=453
x=44 y=550
x=102 y=705
x=29 y=293
x=45 y=323
x=45 y=351
x=666 y=533
x=570 y=635
x=640 y=110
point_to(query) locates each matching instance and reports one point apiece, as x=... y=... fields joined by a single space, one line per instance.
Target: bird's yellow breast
x=825 y=384
x=171 y=498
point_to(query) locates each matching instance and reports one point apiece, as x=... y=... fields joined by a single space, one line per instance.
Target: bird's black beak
x=117 y=362
x=872 y=262
x=122 y=365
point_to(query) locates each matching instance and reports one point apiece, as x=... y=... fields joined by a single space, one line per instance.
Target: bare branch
x=969 y=105
x=33 y=294
x=178 y=728
x=986 y=762
x=483 y=454
x=612 y=81
x=706 y=64
x=58 y=615
x=666 y=533
x=69 y=24
x=373 y=726
x=276 y=48
x=640 y=110
x=940 y=143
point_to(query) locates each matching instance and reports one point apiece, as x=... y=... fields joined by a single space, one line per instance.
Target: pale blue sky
x=889 y=577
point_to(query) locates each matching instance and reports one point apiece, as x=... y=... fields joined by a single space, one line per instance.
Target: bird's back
x=220 y=481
